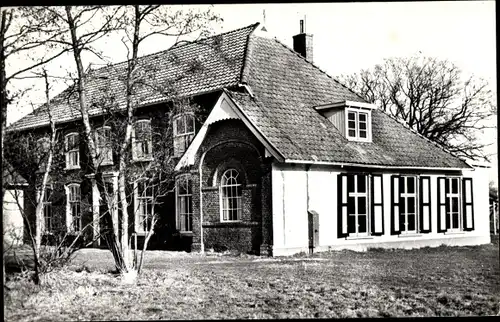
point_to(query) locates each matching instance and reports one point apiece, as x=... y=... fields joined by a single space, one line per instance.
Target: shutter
x=377 y=211
x=468 y=205
x=401 y=214
x=395 y=205
x=342 y=205
x=442 y=204
x=425 y=204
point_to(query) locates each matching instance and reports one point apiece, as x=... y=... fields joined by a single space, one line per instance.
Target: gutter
x=347 y=164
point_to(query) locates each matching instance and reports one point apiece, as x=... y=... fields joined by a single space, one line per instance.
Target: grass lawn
x=444 y=281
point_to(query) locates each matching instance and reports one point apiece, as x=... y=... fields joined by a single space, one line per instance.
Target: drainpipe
x=202 y=245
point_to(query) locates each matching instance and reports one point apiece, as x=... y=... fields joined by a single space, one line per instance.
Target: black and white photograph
x=249 y=161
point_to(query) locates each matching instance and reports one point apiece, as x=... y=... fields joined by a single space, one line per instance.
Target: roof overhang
x=345 y=103
x=224 y=109
x=375 y=166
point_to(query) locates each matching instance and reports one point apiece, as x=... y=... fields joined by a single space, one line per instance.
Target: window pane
x=189 y=124
x=455 y=221
x=362 y=205
x=362 y=125
x=362 y=134
x=362 y=224
x=411 y=205
x=361 y=183
x=352 y=133
x=351 y=224
x=454 y=204
x=351 y=124
x=411 y=222
x=454 y=185
x=350 y=183
x=351 y=205
x=362 y=117
x=410 y=184
x=351 y=116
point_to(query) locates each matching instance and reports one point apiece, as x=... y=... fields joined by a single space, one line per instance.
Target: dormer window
x=358 y=124
x=352 y=119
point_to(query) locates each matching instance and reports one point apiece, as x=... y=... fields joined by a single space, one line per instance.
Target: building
x=13 y=207
x=280 y=158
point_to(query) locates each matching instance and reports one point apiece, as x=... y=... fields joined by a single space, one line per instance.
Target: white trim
x=345 y=103
x=150 y=139
x=224 y=108
x=98 y=150
x=239 y=210
x=67 y=166
x=362 y=165
x=356 y=112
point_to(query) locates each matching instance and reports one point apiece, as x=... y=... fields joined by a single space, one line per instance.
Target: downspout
x=202 y=245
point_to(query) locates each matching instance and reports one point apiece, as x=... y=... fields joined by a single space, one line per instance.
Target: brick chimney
x=303 y=43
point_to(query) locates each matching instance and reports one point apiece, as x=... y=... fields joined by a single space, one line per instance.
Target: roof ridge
x=406 y=125
x=319 y=68
x=244 y=66
x=179 y=46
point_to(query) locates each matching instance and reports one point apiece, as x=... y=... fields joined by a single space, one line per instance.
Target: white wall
x=12 y=219
x=291 y=184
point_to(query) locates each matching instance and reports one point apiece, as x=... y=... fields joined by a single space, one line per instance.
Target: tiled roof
x=193 y=68
x=286 y=88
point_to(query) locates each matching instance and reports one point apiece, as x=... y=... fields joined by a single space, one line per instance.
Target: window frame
x=106 y=147
x=138 y=205
x=239 y=198
x=135 y=142
x=47 y=204
x=449 y=196
x=179 y=198
x=356 y=195
x=405 y=195
x=68 y=152
x=357 y=129
x=184 y=138
x=70 y=216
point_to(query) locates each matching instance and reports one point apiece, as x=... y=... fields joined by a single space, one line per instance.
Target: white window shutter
x=342 y=205
x=468 y=205
x=441 y=204
x=377 y=205
x=395 y=229
x=425 y=204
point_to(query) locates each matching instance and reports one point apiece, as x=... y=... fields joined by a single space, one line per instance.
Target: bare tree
x=28 y=152
x=432 y=97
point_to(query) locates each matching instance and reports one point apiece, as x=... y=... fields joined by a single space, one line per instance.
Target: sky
x=352 y=36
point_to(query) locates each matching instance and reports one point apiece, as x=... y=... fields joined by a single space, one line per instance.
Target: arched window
x=104 y=145
x=74 y=213
x=142 y=141
x=231 y=191
x=72 y=147
x=183 y=133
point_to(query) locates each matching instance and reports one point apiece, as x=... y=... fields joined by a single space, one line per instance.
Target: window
x=453 y=218
x=358 y=125
x=42 y=149
x=142 y=141
x=231 y=191
x=184 y=204
x=411 y=207
x=74 y=215
x=408 y=204
x=144 y=206
x=183 y=133
x=72 y=146
x=104 y=146
x=357 y=218
x=360 y=205
x=47 y=210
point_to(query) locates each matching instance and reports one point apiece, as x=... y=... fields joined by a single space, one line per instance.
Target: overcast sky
x=352 y=36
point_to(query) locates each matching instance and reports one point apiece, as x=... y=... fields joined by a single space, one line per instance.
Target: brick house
x=285 y=159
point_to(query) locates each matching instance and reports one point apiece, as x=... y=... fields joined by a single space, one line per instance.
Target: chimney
x=303 y=43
